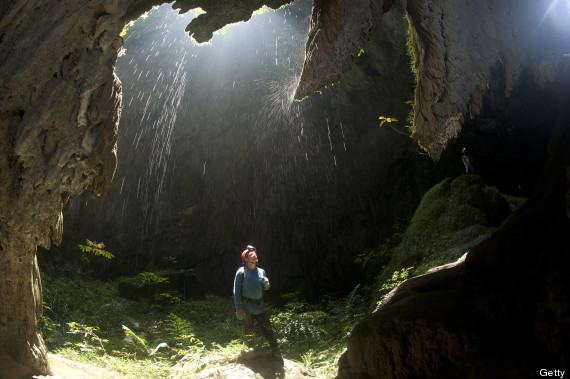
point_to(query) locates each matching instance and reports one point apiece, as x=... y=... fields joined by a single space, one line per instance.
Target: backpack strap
x=242 y=272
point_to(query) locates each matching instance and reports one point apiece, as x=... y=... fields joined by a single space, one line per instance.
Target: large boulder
x=501 y=310
x=453 y=216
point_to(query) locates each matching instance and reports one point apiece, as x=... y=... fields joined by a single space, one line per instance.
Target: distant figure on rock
x=249 y=283
x=467 y=161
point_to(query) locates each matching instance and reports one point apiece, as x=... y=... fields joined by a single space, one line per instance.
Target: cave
x=493 y=76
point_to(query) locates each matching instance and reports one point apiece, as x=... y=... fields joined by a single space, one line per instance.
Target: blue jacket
x=250 y=296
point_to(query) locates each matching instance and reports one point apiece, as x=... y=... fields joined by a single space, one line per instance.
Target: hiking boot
x=277 y=357
x=248 y=355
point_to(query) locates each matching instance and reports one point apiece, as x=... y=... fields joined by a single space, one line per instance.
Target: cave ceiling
x=456 y=46
x=61 y=77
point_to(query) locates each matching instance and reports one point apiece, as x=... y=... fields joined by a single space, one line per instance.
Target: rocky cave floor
x=247 y=365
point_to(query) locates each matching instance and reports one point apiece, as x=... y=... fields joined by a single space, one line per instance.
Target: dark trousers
x=265 y=326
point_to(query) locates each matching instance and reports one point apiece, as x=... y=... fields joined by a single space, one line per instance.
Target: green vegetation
x=412 y=51
x=150 y=277
x=454 y=216
x=126 y=29
x=397 y=278
x=388 y=121
x=94 y=249
x=86 y=320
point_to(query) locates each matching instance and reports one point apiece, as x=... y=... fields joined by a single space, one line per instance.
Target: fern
x=96 y=249
x=139 y=343
x=89 y=337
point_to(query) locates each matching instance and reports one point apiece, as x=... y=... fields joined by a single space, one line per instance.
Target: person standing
x=467 y=161
x=249 y=283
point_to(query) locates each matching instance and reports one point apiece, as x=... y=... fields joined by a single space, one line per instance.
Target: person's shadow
x=262 y=362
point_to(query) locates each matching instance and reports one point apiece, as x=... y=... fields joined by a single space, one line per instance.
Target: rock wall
x=457 y=45
x=58 y=115
x=502 y=309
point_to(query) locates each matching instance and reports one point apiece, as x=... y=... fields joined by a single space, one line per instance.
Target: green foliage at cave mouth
x=146 y=341
x=94 y=249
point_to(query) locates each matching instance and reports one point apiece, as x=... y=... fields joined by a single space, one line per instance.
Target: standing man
x=249 y=284
x=467 y=161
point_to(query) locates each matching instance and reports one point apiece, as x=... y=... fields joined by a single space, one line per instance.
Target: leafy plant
x=398 y=277
x=170 y=297
x=130 y=24
x=126 y=28
x=96 y=249
x=90 y=340
x=150 y=277
x=138 y=338
x=229 y=350
x=386 y=119
x=139 y=343
x=294 y=326
x=308 y=358
x=171 y=260
x=182 y=333
x=390 y=120
x=48 y=328
x=412 y=51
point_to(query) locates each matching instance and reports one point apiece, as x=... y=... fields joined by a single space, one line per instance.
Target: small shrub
x=89 y=340
x=150 y=277
x=139 y=344
x=398 y=277
x=300 y=326
x=182 y=334
x=94 y=249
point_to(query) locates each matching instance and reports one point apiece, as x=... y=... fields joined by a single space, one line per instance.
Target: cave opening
x=58 y=118
x=213 y=154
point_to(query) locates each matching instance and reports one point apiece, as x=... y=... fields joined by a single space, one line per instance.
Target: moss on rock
x=453 y=216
